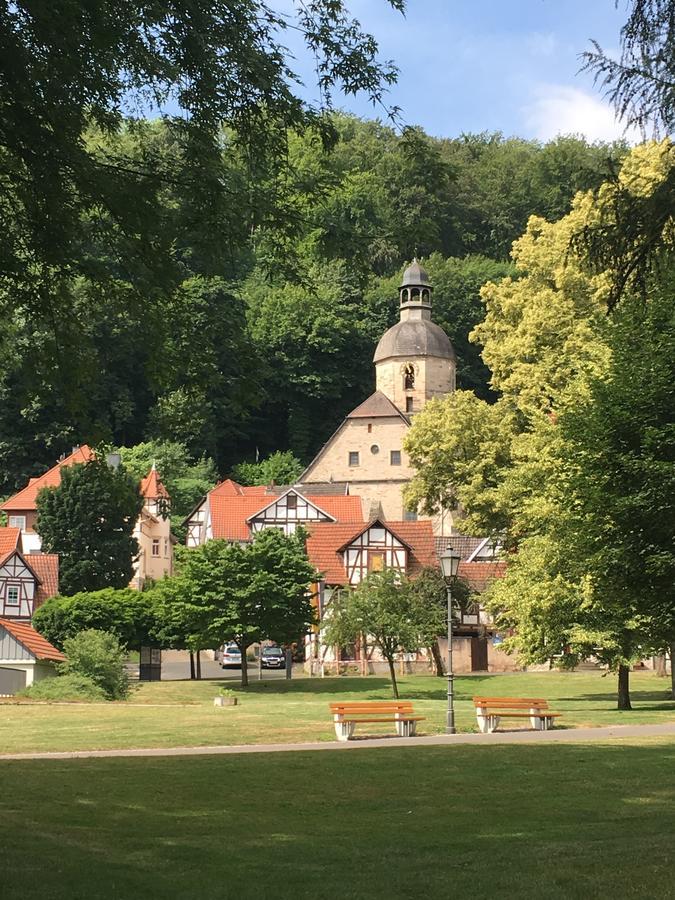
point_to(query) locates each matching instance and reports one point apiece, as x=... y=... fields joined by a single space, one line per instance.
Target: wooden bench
x=489 y=711
x=347 y=716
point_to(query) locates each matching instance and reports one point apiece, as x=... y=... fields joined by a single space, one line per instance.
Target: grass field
x=181 y=713
x=568 y=821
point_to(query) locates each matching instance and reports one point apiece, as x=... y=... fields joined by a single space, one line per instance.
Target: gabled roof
x=461 y=543
x=26 y=498
x=230 y=513
x=480 y=574
x=229 y=488
x=46 y=568
x=326 y=544
x=10 y=540
x=26 y=635
x=375 y=523
x=377 y=406
x=151 y=486
x=297 y=493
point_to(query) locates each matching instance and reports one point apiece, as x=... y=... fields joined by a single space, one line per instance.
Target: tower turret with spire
x=414 y=360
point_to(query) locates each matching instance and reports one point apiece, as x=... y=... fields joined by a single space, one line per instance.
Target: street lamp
x=450 y=567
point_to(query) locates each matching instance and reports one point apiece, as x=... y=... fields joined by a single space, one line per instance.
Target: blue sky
x=485 y=65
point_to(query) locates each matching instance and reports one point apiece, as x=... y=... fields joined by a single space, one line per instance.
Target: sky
x=489 y=65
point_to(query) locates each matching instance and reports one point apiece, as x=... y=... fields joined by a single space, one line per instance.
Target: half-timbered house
x=26 y=579
x=152 y=531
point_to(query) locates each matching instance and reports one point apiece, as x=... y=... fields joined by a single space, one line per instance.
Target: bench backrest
x=510 y=702
x=376 y=706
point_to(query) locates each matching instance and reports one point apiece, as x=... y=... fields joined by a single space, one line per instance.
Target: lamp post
x=450 y=567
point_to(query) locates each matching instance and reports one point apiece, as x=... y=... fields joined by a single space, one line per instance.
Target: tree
x=552 y=467
x=431 y=590
x=199 y=65
x=281 y=467
x=89 y=521
x=186 y=479
x=98 y=656
x=388 y=612
x=128 y=614
x=640 y=83
x=244 y=594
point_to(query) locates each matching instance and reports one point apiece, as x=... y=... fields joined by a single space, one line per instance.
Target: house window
x=292 y=501
x=370 y=427
x=13 y=595
x=408 y=404
x=375 y=562
x=353 y=458
x=395 y=457
x=409 y=515
x=17 y=522
x=166 y=548
x=155 y=546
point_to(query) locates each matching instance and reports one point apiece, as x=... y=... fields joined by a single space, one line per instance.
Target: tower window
x=353 y=458
x=408 y=404
x=374 y=449
x=408 y=377
x=395 y=457
x=370 y=427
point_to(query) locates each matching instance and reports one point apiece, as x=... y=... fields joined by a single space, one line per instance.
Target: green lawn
x=568 y=821
x=165 y=714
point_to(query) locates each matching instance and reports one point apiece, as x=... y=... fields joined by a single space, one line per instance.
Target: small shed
x=25 y=656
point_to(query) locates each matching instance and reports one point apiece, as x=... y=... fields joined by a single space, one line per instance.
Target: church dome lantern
x=415 y=289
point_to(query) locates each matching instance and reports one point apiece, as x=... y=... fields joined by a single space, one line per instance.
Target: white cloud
x=558 y=109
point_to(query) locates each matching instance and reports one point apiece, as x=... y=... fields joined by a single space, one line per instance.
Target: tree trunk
x=438 y=659
x=192 y=665
x=199 y=665
x=244 y=667
x=672 y=671
x=392 y=672
x=660 y=665
x=624 y=688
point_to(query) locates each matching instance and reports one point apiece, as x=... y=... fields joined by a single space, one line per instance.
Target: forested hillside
x=260 y=332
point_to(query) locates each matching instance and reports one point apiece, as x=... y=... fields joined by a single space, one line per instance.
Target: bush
x=99 y=656
x=64 y=687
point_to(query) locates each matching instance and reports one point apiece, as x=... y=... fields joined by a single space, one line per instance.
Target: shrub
x=99 y=656
x=64 y=687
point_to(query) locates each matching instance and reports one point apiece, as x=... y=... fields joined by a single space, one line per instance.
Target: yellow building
x=414 y=362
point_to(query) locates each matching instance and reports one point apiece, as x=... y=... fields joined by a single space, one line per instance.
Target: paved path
x=558 y=736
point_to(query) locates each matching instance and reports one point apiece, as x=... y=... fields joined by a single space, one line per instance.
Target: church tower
x=414 y=360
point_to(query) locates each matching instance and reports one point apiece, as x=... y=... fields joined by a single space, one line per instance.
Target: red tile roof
x=480 y=574
x=325 y=540
x=10 y=540
x=26 y=635
x=230 y=511
x=46 y=567
x=151 y=486
x=26 y=498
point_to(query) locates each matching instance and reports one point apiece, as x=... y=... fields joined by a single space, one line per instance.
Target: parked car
x=273 y=658
x=230 y=657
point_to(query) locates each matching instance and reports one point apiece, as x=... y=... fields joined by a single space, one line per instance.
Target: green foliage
x=186 y=479
x=224 y=592
x=125 y=613
x=73 y=686
x=279 y=468
x=386 y=610
x=98 y=656
x=89 y=521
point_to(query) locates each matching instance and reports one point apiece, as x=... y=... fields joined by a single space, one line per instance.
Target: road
x=176 y=666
